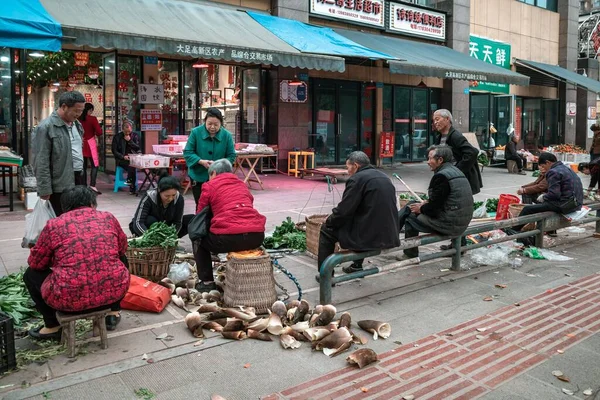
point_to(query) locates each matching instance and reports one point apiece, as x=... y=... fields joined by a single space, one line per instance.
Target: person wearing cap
x=207 y=143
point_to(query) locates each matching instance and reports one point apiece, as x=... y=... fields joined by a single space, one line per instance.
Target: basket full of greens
x=150 y=255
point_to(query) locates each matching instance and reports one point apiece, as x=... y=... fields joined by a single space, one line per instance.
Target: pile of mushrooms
x=293 y=323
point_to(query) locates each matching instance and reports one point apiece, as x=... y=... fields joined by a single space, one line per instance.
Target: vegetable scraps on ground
x=158 y=235
x=286 y=236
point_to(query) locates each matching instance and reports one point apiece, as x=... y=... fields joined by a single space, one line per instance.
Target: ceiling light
x=111 y=61
x=56 y=84
x=50 y=68
x=17 y=71
x=4 y=59
x=252 y=87
x=64 y=61
x=36 y=54
x=46 y=71
x=6 y=76
x=186 y=86
x=199 y=64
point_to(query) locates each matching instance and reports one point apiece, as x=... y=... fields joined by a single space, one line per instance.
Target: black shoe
x=354 y=267
x=34 y=333
x=203 y=287
x=95 y=190
x=129 y=181
x=463 y=243
x=112 y=321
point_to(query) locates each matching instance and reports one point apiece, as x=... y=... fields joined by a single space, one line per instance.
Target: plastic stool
x=120 y=181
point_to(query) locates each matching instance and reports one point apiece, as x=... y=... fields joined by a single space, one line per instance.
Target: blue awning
x=314 y=39
x=560 y=74
x=25 y=24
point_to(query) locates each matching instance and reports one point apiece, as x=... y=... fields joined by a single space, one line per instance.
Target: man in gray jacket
x=450 y=206
x=59 y=160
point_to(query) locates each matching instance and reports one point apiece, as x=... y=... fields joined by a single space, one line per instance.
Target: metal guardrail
x=544 y=222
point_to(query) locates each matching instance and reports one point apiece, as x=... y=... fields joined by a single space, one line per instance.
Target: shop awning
x=560 y=74
x=423 y=59
x=24 y=24
x=315 y=39
x=180 y=28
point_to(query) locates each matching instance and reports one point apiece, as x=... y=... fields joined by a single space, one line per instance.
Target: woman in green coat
x=207 y=143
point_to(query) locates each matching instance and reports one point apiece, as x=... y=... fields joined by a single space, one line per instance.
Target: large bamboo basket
x=403 y=202
x=249 y=282
x=313 y=231
x=514 y=210
x=150 y=263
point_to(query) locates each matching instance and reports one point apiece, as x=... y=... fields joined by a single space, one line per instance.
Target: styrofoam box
x=31 y=199
x=166 y=148
x=178 y=138
x=149 y=161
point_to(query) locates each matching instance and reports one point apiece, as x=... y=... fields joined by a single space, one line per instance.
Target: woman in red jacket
x=78 y=264
x=235 y=225
x=91 y=129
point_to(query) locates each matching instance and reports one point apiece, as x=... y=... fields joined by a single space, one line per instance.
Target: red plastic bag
x=144 y=295
x=504 y=201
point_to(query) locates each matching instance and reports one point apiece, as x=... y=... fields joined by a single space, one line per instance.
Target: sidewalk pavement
x=417 y=301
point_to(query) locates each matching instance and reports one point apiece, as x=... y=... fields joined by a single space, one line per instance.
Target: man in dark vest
x=450 y=206
x=367 y=216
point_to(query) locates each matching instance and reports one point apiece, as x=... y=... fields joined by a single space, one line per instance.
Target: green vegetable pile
x=408 y=196
x=15 y=300
x=159 y=234
x=286 y=236
x=491 y=205
x=482 y=159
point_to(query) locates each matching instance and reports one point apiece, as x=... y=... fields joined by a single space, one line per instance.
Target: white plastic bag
x=179 y=272
x=481 y=212
x=553 y=256
x=36 y=221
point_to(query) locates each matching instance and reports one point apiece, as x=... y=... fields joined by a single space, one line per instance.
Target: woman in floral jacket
x=78 y=264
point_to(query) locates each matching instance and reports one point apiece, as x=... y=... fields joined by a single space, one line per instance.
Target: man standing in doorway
x=59 y=160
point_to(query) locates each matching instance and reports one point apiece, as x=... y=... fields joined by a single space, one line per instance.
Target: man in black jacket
x=465 y=155
x=450 y=206
x=367 y=216
x=123 y=144
x=510 y=153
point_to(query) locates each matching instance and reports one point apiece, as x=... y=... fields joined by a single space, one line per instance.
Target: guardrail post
x=325 y=279
x=456 y=255
x=598 y=222
x=539 y=238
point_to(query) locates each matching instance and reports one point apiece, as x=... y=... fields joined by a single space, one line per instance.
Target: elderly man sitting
x=450 y=206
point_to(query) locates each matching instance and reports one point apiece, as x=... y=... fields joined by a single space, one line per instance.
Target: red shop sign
x=81 y=58
x=93 y=72
x=386 y=145
x=79 y=75
x=151 y=120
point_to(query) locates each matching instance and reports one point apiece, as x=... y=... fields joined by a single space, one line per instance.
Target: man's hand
x=47 y=197
x=416 y=207
x=520 y=191
x=540 y=198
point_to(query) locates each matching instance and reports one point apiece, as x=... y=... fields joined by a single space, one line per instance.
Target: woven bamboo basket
x=403 y=202
x=313 y=231
x=249 y=282
x=150 y=263
x=515 y=209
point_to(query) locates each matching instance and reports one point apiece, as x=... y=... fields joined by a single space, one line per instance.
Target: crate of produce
x=7 y=344
x=167 y=148
x=581 y=157
x=149 y=161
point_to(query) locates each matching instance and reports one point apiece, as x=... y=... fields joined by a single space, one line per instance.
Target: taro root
x=377 y=328
x=362 y=357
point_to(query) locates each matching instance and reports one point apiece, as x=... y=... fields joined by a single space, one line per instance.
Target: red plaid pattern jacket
x=82 y=247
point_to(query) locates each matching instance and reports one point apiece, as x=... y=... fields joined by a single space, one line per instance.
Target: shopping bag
x=199 y=226
x=144 y=295
x=36 y=221
x=94 y=150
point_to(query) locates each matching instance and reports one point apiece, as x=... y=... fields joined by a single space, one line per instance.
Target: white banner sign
x=369 y=12
x=417 y=21
x=151 y=94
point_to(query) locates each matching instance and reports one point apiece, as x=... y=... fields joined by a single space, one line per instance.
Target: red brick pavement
x=464 y=363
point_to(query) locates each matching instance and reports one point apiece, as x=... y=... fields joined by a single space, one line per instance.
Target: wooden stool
x=67 y=322
x=298 y=160
x=511 y=165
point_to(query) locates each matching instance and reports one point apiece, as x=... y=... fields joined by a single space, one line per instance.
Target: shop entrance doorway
x=336 y=120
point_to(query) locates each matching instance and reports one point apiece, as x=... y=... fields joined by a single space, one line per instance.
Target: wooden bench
x=67 y=322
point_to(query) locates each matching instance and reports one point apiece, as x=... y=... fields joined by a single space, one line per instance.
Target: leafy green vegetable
x=408 y=196
x=159 y=234
x=490 y=207
x=482 y=159
x=144 y=393
x=15 y=300
x=286 y=236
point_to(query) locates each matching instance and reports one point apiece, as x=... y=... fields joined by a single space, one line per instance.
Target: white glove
x=540 y=198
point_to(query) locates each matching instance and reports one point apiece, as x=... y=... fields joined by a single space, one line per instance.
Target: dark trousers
x=222 y=244
x=197 y=191
x=93 y=171
x=518 y=160
x=534 y=209
x=184 y=224
x=327 y=240
x=33 y=281
x=55 y=197
x=130 y=170
x=412 y=228
x=529 y=198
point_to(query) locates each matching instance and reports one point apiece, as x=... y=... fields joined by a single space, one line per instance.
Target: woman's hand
x=205 y=163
